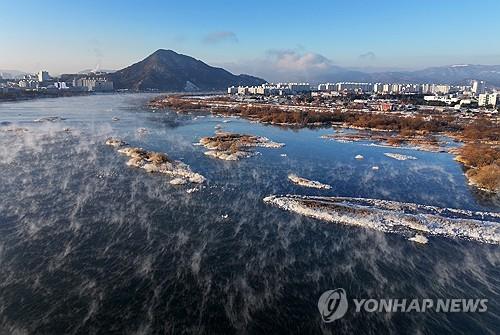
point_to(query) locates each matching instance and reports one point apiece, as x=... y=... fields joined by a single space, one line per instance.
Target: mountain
x=453 y=74
x=167 y=70
x=11 y=74
x=460 y=74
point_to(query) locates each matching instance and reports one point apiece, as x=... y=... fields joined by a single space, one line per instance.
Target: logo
x=332 y=304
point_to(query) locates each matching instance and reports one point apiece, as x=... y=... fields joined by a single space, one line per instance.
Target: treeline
x=176 y=102
x=273 y=114
x=480 y=129
x=26 y=95
x=408 y=125
x=483 y=161
x=478 y=155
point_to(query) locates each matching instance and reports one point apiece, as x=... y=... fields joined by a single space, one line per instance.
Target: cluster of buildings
x=271 y=89
x=477 y=87
x=467 y=95
x=440 y=93
x=43 y=81
x=93 y=84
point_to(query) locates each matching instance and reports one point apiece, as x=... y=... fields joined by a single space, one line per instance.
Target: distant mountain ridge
x=167 y=70
x=12 y=74
x=460 y=74
x=452 y=74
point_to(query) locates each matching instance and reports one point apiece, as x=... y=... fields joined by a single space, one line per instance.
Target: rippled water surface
x=89 y=245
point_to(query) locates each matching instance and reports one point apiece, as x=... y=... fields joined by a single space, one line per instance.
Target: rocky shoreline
x=156 y=162
x=395 y=217
x=307 y=183
x=232 y=147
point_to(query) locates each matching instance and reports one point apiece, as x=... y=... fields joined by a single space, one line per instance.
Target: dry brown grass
x=478 y=155
x=396 y=141
x=157 y=157
x=487 y=177
x=483 y=161
x=482 y=129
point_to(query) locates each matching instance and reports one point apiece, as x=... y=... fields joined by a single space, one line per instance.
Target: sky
x=255 y=37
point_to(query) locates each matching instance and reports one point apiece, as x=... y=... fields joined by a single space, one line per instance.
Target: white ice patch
x=307 y=183
x=419 y=239
x=393 y=216
x=399 y=157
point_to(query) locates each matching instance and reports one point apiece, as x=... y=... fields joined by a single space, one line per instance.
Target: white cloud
x=370 y=55
x=293 y=60
x=284 y=65
x=220 y=36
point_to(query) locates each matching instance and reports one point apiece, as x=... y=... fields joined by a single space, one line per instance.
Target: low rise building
x=354 y=87
x=242 y=90
x=440 y=89
x=60 y=85
x=385 y=106
x=94 y=84
x=28 y=84
x=439 y=98
x=486 y=99
x=299 y=87
x=43 y=76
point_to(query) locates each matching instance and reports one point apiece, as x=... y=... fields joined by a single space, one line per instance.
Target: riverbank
x=390 y=129
x=32 y=95
x=482 y=164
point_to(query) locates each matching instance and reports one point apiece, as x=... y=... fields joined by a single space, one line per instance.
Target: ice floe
x=396 y=217
x=307 y=183
x=17 y=130
x=399 y=157
x=50 y=119
x=419 y=239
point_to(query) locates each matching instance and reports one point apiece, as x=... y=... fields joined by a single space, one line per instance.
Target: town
x=13 y=87
x=473 y=98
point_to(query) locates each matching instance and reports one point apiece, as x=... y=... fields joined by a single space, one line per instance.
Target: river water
x=91 y=246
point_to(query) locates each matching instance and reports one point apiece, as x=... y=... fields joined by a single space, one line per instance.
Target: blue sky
x=245 y=36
